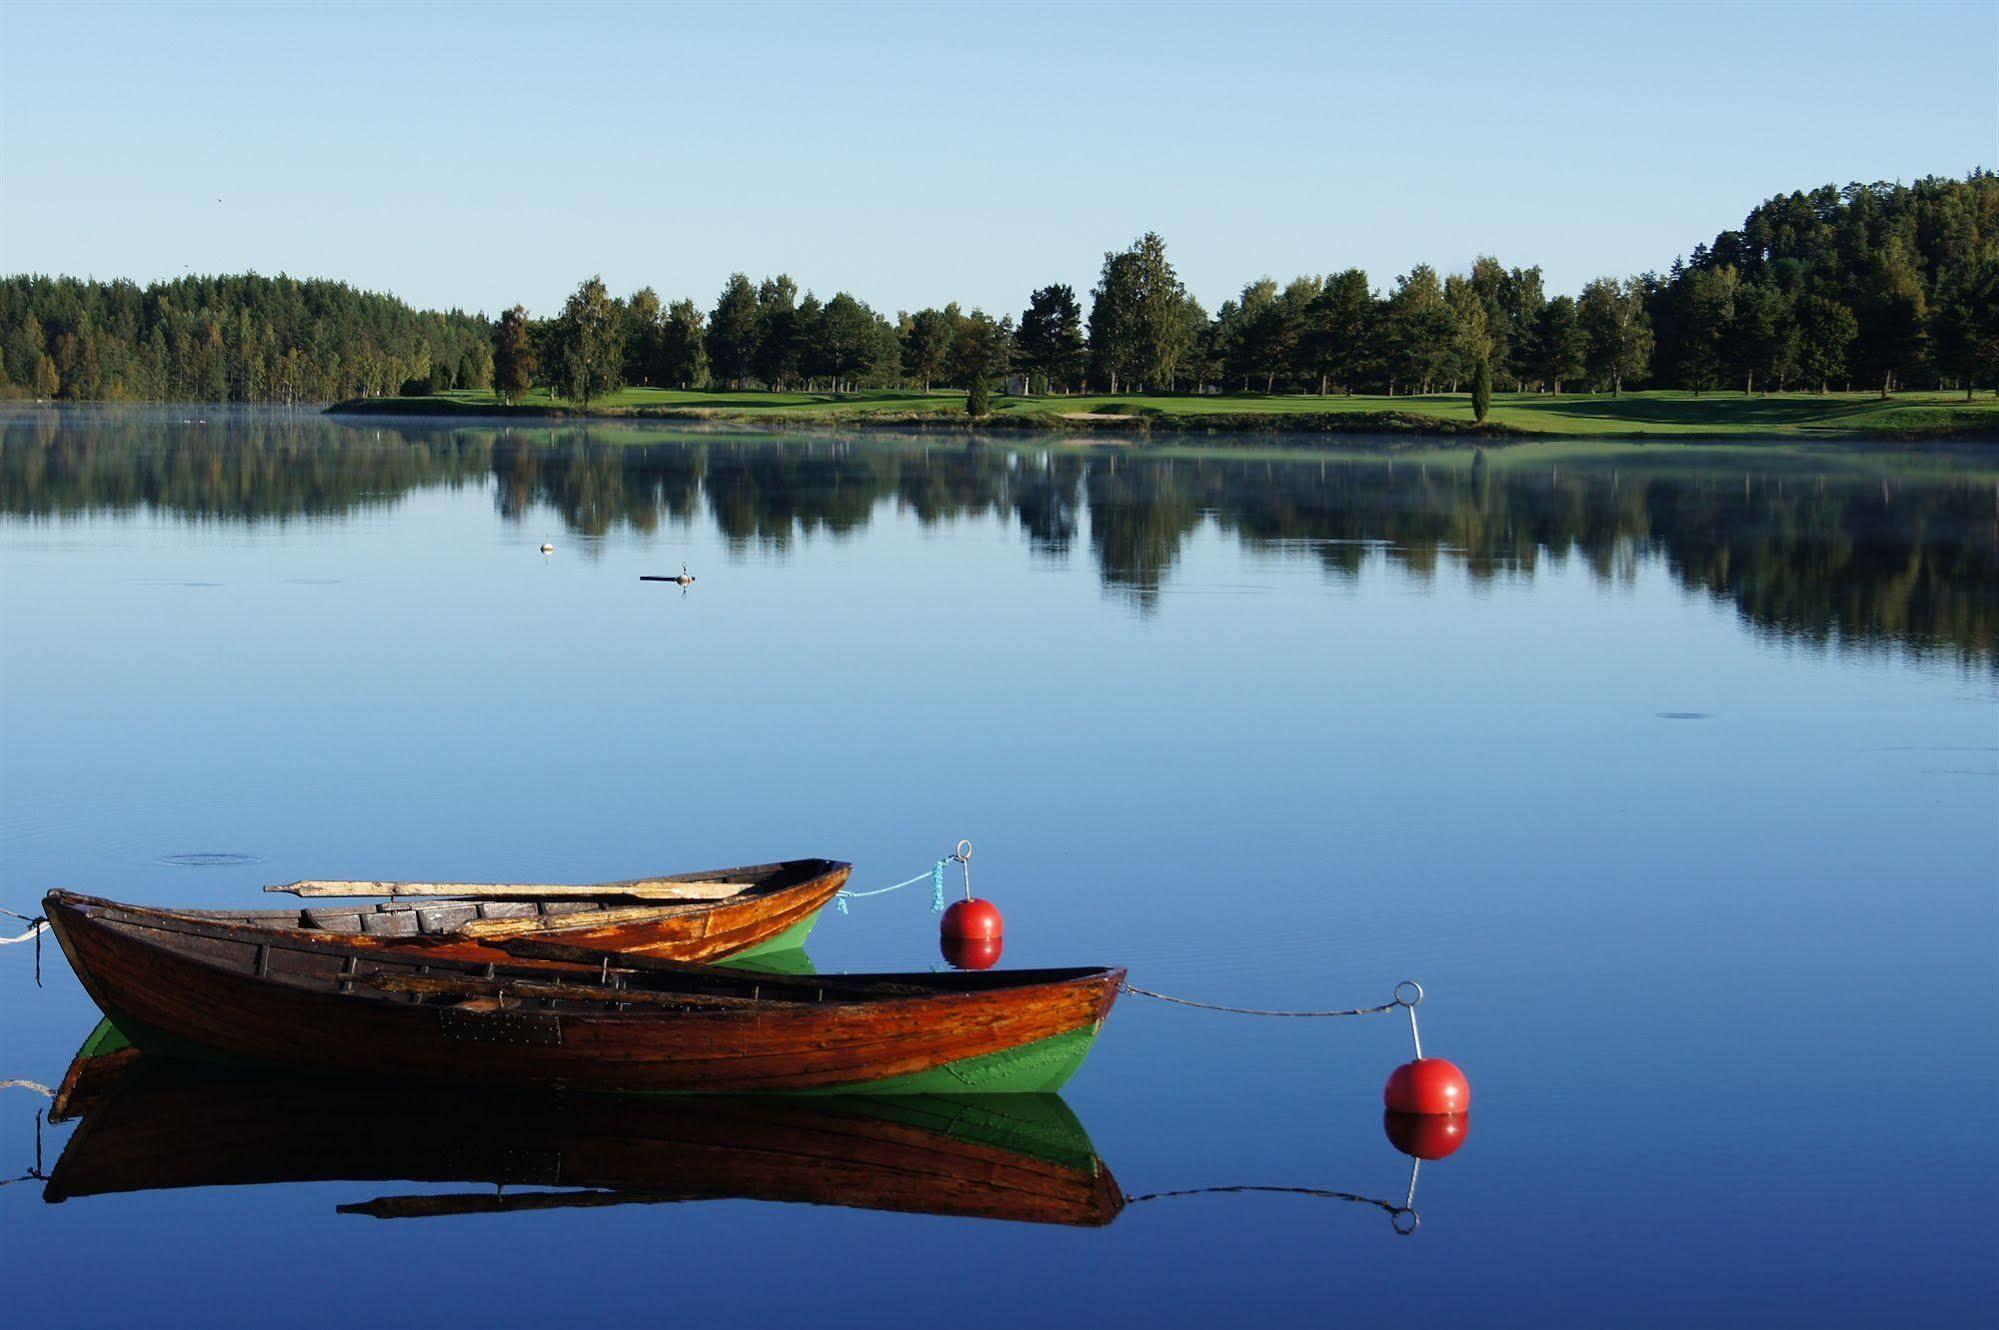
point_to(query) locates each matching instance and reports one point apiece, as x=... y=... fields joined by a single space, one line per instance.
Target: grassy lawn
x=1657 y=414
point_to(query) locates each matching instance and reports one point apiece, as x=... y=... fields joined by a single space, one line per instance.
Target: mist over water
x=1671 y=771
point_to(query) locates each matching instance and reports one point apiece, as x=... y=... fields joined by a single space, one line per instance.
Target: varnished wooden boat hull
x=176 y=985
x=172 y=1125
x=771 y=916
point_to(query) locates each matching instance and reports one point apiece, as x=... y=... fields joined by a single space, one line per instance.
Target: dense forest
x=1877 y=286
x=1803 y=550
x=228 y=339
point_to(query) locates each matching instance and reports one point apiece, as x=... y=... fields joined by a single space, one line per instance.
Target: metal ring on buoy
x=964 y=854
x=1401 y=1001
x=1396 y=1215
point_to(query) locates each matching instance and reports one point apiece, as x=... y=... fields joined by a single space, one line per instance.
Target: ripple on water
x=209 y=859
x=1684 y=715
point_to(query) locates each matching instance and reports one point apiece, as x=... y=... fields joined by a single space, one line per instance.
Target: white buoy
x=547 y=548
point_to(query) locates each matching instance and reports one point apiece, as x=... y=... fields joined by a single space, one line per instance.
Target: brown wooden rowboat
x=773 y=909
x=173 y=1124
x=177 y=983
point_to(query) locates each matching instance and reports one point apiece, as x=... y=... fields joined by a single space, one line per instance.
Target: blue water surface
x=1671 y=771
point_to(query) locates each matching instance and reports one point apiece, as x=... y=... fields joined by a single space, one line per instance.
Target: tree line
x=228 y=339
x=1880 y=286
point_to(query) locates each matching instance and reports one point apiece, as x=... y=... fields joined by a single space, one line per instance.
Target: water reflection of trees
x=1821 y=551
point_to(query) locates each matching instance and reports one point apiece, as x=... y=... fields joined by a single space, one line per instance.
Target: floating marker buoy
x=547 y=548
x=973 y=920
x=1428 y=1086
x=685 y=580
x=1426 y=1135
x=972 y=953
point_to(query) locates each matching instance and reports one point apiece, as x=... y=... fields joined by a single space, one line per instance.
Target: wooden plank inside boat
x=641 y=888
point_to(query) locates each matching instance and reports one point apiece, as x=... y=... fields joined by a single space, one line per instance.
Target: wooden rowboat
x=178 y=983
x=729 y=913
x=169 y=1124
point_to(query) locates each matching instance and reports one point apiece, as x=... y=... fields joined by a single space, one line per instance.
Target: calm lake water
x=1672 y=772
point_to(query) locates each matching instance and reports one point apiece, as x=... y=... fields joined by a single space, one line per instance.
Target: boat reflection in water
x=150 y=1124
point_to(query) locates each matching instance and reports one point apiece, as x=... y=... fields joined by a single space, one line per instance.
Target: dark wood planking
x=199 y=982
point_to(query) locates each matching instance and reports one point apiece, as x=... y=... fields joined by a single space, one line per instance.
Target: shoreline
x=1144 y=424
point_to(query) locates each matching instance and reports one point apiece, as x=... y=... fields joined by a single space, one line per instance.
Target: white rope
x=41 y=927
x=36 y=1086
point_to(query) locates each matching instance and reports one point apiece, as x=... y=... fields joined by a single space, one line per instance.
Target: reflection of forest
x=1824 y=550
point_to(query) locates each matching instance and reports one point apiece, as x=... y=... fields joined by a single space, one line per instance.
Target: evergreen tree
x=1419 y=331
x=683 y=347
x=1826 y=329
x=1762 y=338
x=1965 y=326
x=778 y=340
x=732 y=332
x=1339 y=332
x=1050 y=340
x=1481 y=390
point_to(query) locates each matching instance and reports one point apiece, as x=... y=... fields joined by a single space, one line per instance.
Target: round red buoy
x=1428 y=1085
x=974 y=919
x=972 y=953
x=1426 y=1135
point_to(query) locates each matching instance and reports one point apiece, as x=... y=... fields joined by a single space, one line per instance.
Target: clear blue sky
x=479 y=156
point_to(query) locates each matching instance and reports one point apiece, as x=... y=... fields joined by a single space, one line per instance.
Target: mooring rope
x=935 y=876
x=963 y=855
x=1397 y=1001
x=36 y=1086
x=37 y=925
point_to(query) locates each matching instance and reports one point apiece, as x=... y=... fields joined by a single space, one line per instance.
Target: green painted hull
x=791 y=939
x=106 y=1038
x=1042 y=1067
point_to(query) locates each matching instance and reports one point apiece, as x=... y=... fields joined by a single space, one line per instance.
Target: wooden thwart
x=641 y=888
x=486 y=930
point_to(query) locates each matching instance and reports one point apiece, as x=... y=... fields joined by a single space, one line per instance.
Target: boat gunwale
x=660 y=973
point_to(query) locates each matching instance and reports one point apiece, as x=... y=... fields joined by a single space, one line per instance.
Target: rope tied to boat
x=935 y=876
x=37 y=925
x=1398 y=1000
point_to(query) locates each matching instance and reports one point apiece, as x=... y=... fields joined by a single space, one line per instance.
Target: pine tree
x=732 y=332
x=683 y=347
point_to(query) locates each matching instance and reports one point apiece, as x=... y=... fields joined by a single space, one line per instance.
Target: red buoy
x=972 y=953
x=973 y=920
x=1429 y=1086
x=1426 y=1135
